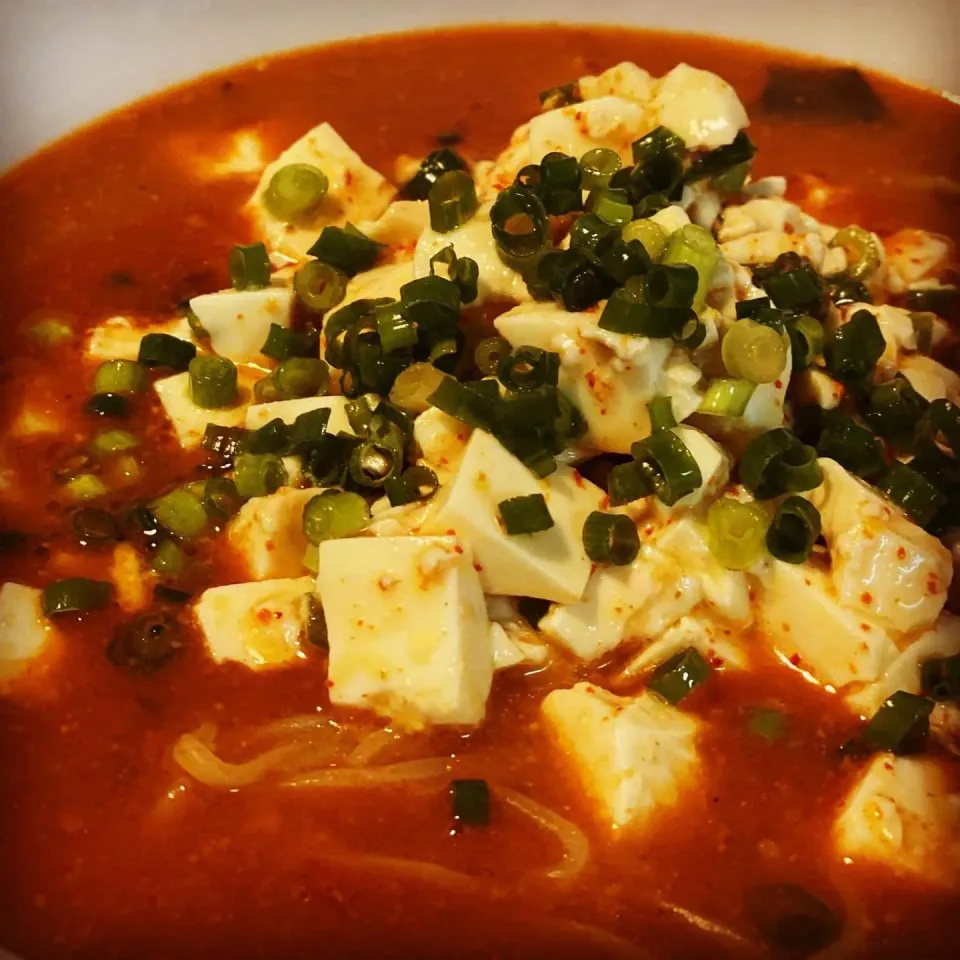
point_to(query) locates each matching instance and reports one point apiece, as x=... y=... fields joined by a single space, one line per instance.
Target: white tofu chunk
x=190 y=421
x=238 y=321
x=699 y=106
x=514 y=641
x=260 y=414
x=268 y=535
x=256 y=624
x=671 y=218
x=474 y=239
x=898 y=331
x=24 y=630
x=408 y=630
x=882 y=564
x=816 y=388
x=441 y=439
x=631 y=755
x=932 y=380
x=802 y=616
x=551 y=564
x=355 y=192
x=400 y=225
x=713 y=461
x=715 y=643
x=913 y=256
x=382 y=281
x=625 y=80
x=901 y=815
x=118 y=338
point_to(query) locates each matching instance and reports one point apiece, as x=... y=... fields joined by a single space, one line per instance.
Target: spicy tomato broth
x=108 y=850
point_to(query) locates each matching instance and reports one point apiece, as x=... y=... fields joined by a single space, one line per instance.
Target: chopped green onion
x=490 y=353
x=162 y=350
x=302 y=377
x=894 y=408
x=793 y=288
x=85 y=486
x=373 y=463
x=658 y=157
x=900 y=725
x=521 y=515
x=853 y=446
x=940 y=678
x=560 y=178
x=394 y=328
x=75 y=594
x=560 y=96
x=120 y=376
x=610 y=538
x=592 y=233
x=50 y=331
x=794 y=530
x=249 y=266
x=572 y=278
x=258 y=475
x=726 y=398
x=470 y=802
x=463 y=271
x=414 y=485
x=806 y=340
x=432 y=303
x=751 y=308
x=114 y=441
x=320 y=286
x=294 y=191
x=651 y=236
x=196 y=327
x=334 y=514
x=519 y=222
x=944 y=417
x=912 y=492
x=213 y=382
x=413 y=388
x=435 y=165
x=107 y=405
x=224 y=441
x=272 y=437
x=598 y=166
x=626 y=312
x=452 y=201
x=767 y=723
x=754 y=352
x=694 y=246
x=673 y=470
x=854 y=349
x=628 y=482
x=181 y=513
x=942 y=300
x=612 y=212
x=221 y=499
x=445 y=354
x=678 y=677
x=529 y=368
x=283 y=343
x=736 y=532
x=463 y=403
x=776 y=462
x=671 y=286
x=661 y=413
x=718 y=164
x=862 y=249
x=842 y=290
x=169 y=559
x=345 y=248
x=94 y=526
x=923 y=324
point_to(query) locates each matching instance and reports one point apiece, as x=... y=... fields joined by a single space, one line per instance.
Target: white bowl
x=63 y=62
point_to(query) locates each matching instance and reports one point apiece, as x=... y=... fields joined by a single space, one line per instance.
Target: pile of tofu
x=420 y=608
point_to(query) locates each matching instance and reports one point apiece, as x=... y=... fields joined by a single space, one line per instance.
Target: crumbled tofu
x=816 y=388
x=514 y=641
x=257 y=624
x=716 y=644
x=766 y=245
x=765 y=215
x=118 y=338
x=914 y=256
x=625 y=80
x=400 y=225
x=131 y=579
x=713 y=461
x=238 y=321
x=407 y=627
x=802 y=616
x=902 y=816
x=260 y=414
x=932 y=380
x=382 y=281
x=496 y=280
x=671 y=218
x=268 y=534
x=356 y=192
x=190 y=421
x=610 y=377
x=551 y=564
x=699 y=106
x=882 y=565
x=24 y=631
x=441 y=439
x=941 y=640
x=632 y=755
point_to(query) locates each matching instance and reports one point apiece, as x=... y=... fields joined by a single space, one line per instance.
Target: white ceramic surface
x=63 y=62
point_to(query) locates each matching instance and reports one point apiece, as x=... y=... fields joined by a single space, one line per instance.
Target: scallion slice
x=414 y=485
x=180 y=512
x=394 y=328
x=651 y=236
x=755 y=352
x=671 y=286
x=672 y=468
x=726 y=397
x=85 y=486
x=736 y=532
x=894 y=408
x=163 y=350
x=610 y=538
x=793 y=288
x=94 y=526
x=628 y=482
x=694 y=246
x=719 y=162
x=75 y=595
x=221 y=499
x=612 y=212
x=863 y=251
x=940 y=678
x=523 y=515
x=258 y=475
x=120 y=376
x=470 y=802
x=529 y=368
x=249 y=266
x=854 y=349
x=900 y=725
x=463 y=271
x=282 y=342
x=109 y=442
x=213 y=382
x=806 y=340
x=853 y=446
x=461 y=402
x=302 y=377
x=676 y=678
x=295 y=190
x=373 y=463
x=224 y=441
x=794 y=530
x=107 y=405
x=320 y=286
x=749 y=309
x=452 y=201
x=334 y=514
x=345 y=248
x=519 y=222
x=598 y=166
x=767 y=723
x=435 y=165
x=776 y=462
x=912 y=492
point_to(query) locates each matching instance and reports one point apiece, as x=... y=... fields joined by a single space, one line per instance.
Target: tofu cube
x=382 y=281
x=551 y=564
x=802 y=616
x=257 y=624
x=901 y=815
x=699 y=106
x=441 y=439
x=24 y=630
x=238 y=321
x=268 y=535
x=882 y=565
x=190 y=421
x=355 y=191
x=260 y=414
x=713 y=461
x=118 y=338
x=408 y=630
x=714 y=642
x=632 y=755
